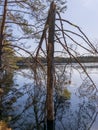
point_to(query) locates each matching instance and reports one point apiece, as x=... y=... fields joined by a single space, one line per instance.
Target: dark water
x=23 y=105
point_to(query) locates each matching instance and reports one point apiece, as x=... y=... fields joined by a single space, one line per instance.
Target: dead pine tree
x=50 y=27
x=50 y=67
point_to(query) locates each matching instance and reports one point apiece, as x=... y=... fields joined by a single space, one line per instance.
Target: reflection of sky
x=75 y=100
x=95 y=125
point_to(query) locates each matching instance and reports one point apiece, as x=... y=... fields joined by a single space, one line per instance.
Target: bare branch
x=89 y=43
x=76 y=61
x=76 y=42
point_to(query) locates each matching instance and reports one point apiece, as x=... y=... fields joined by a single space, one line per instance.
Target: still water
x=24 y=103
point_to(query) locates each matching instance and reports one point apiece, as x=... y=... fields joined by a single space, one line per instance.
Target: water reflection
x=5 y=86
x=24 y=102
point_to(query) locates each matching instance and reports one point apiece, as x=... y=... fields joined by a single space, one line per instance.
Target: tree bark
x=2 y=31
x=50 y=68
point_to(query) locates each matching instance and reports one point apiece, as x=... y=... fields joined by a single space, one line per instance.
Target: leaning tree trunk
x=50 y=68
x=2 y=25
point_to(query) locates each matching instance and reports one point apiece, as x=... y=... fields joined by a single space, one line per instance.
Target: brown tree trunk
x=2 y=31
x=50 y=68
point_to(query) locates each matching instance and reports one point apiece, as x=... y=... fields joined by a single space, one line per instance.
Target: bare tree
x=48 y=36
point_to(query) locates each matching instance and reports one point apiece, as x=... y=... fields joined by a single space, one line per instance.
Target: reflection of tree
x=88 y=109
x=80 y=119
x=26 y=105
x=85 y=115
x=5 y=85
x=87 y=89
x=32 y=102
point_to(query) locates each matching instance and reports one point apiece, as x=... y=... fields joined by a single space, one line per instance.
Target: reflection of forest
x=24 y=105
x=5 y=85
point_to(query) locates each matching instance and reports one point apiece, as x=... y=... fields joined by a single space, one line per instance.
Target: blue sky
x=84 y=13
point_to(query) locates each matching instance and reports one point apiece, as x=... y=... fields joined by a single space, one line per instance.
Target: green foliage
x=8 y=57
x=27 y=30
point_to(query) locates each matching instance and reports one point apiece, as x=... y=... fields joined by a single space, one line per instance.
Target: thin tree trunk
x=2 y=31
x=50 y=68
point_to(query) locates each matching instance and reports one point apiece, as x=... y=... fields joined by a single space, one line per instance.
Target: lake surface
x=24 y=102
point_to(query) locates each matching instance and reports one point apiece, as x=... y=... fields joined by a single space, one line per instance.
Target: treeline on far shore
x=83 y=59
